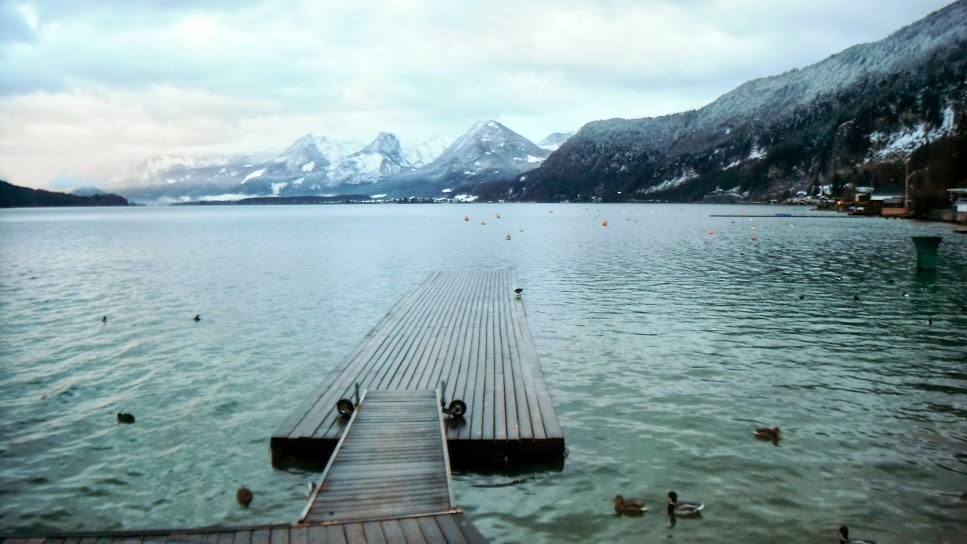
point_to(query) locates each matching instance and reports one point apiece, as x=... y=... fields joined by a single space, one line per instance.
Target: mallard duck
x=765 y=433
x=244 y=496
x=683 y=509
x=629 y=506
x=125 y=418
x=845 y=539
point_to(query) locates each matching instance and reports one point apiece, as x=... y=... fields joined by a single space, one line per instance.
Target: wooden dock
x=390 y=463
x=467 y=329
x=448 y=528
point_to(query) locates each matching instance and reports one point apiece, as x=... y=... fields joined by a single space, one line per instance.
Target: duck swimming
x=845 y=539
x=629 y=506
x=125 y=418
x=765 y=433
x=244 y=496
x=683 y=509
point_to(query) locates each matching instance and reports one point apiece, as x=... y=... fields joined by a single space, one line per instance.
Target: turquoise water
x=663 y=347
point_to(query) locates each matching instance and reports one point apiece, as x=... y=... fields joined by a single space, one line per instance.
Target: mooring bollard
x=926 y=251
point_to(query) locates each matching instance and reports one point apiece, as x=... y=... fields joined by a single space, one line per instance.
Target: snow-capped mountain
x=488 y=148
x=381 y=158
x=488 y=151
x=170 y=167
x=554 y=141
x=319 y=165
x=423 y=154
x=851 y=118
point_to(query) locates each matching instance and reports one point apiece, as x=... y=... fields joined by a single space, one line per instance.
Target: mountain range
x=864 y=116
x=319 y=165
x=855 y=118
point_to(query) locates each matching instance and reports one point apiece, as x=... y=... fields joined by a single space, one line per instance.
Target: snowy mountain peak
x=555 y=141
x=381 y=158
x=427 y=151
x=385 y=144
x=488 y=148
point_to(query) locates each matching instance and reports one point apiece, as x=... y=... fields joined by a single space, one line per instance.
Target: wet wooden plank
x=360 y=485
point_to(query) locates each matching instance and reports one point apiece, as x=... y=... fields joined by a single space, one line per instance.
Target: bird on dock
x=765 y=433
x=683 y=509
x=125 y=418
x=845 y=539
x=197 y=317
x=629 y=507
x=518 y=291
x=310 y=489
x=244 y=496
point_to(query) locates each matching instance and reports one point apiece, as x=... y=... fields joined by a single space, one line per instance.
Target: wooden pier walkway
x=390 y=463
x=467 y=329
x=445 y=528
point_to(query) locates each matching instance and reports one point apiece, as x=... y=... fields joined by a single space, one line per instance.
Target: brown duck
x=765 y=433
x=244 y=496
x=629 y=506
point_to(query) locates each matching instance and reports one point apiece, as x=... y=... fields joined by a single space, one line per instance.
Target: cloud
x=84 y=83
x=16 y=24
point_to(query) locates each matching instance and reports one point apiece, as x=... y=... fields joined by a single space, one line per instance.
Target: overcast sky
x=85 y=85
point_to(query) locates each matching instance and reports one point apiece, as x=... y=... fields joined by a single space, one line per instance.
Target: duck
x=629 y=506
x=244 y=496
x=518 y=291
x=197 y=317
x=683 y=509
x=845 y=539
x=765 y=433
x=125 y=418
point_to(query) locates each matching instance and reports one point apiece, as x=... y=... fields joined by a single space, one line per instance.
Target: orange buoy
x=604 y=223
x=710 y=233
x=754 y=238
x=466 y=218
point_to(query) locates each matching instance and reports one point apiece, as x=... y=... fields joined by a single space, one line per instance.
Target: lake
x=665 y=337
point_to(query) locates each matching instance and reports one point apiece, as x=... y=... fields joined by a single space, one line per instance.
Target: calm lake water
x=665 y=338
